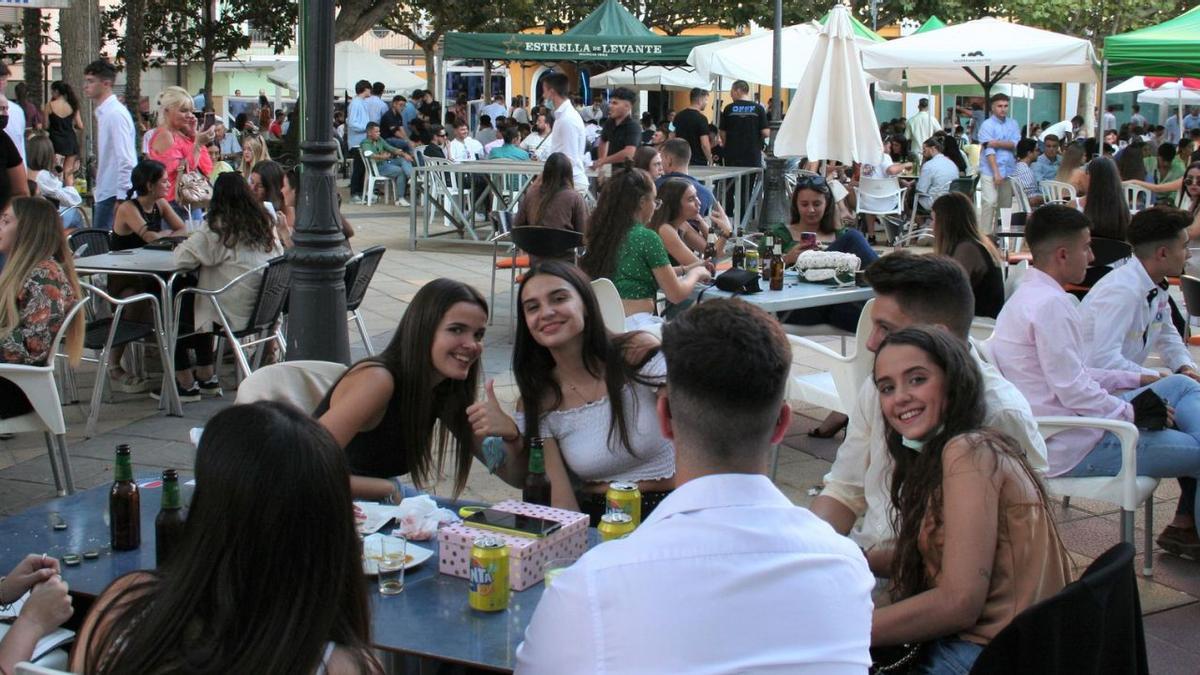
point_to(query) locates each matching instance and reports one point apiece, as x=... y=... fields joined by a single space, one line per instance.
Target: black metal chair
x=359 y=271
x=90 y=241
x=535 y=242
x=1105 y=252
x=1091 y=626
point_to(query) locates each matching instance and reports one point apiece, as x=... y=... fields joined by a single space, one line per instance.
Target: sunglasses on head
x=811 y=182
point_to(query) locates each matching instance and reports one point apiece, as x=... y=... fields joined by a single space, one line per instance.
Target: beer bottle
x=765 y=263
x=124 y=504
x=739 y=251
x=537 y=486
x=168 y=526
x=710 y=250
x=777 y=268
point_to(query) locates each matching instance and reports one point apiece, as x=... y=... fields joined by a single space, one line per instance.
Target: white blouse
x=582 y=434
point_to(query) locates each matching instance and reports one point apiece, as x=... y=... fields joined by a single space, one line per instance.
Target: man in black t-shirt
x=743 y=128
x=621 y=134
x=692 y=126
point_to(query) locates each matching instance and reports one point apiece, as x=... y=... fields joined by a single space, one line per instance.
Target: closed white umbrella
x=651 y=77
x=352 y=63
x=831 y=117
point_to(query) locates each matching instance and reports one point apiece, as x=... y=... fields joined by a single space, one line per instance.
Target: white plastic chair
x=982 y=328
x=835 y=386
x=38 y=384
x=444 y=190
x=27 y=668
x=881 y=191
x=1126 y=490
x=300 y=383
x=1137 y=197
x=1058 y=192
x=1012 y=277
x=611 y=309
x=372 y=177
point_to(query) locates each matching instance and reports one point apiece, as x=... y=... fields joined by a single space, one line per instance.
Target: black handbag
x=738 y=281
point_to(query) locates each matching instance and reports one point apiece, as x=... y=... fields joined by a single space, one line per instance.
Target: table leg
x=169 y=390
x=416 y=193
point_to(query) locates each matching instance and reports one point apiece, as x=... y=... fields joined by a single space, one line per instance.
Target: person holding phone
x=176 y=142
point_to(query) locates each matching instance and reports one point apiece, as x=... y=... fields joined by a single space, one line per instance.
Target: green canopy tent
x=610 y=34
x=932 y=23
x=1171 y=48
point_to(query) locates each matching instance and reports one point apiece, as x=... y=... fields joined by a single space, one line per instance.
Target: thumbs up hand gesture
x=487 y=418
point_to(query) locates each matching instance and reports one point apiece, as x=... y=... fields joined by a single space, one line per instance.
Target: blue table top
x=796 y=294
x=430 y=618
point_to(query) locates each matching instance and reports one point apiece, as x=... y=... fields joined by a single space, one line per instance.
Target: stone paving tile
x=1166 y=658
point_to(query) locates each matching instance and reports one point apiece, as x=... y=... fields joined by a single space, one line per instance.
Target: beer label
x=482 y=578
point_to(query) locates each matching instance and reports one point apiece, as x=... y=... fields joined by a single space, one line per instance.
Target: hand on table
x=487 y=418
x=31 y=571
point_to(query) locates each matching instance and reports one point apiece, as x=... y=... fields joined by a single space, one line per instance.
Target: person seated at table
x=145 y=215
x=1104 y=200
x=390 y=161
x=956 y=234
x=676 y=158
x=1071 y=169
x=508 y=148
x=706 y=583
x=910 y=290
x=975 y=541
x=677 y=221
x=951 y=150
x=40 y=170
x=254 y=150
x=621 y=248
x=239 y=596
x=382 y=413
x=291 y=187
x=551 y=199
x=1038 y=345
x=1026 y=154
x=1170 y=187
x=47 y=606
x=937 y=173
x=648 y=159
x=219 y=165
x=239 y=236
x=266 y=184
x=1126 y=317
x=38 y=287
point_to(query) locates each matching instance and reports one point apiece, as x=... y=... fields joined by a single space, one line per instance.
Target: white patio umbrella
x=651 y=77
x=983 y=52
x=749 y=57
x=1170 y=94
x=352 y=63
x=831 y=116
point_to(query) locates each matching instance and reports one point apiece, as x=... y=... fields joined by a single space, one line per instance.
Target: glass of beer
x=392 y=556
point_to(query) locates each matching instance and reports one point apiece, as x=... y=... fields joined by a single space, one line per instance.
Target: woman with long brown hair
x=551 y=200
x=673 y=221
x=956 y=234
x=975 y=542
x=38 y=287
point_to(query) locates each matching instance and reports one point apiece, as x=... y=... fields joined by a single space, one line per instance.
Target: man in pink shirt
x=1038 y=346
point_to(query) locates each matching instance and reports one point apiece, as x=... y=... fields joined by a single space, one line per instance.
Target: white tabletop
x=796 y=294
x=133 y=260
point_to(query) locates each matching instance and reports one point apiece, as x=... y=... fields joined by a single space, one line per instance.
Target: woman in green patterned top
x=621 y=248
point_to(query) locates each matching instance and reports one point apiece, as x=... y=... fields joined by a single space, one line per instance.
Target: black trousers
x=358 y=171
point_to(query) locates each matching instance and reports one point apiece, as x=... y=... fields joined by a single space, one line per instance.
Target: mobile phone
x=209 y=120
x=512 y=523
x=808 y=237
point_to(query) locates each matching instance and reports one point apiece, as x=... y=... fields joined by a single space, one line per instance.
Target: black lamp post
x=775 y=207
x=317 y=326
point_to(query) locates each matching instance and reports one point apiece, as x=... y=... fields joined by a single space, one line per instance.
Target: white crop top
x=583 y=438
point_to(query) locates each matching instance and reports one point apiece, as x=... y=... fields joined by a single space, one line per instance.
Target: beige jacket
x=218 y=266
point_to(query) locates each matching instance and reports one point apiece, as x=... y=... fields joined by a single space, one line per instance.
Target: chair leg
x=492 y=294
x=97 y=393
x=1066 y=503
x=362 y=331
x=52 y=451
x=1127 y=530
x=65 y=458
x=1148 y=560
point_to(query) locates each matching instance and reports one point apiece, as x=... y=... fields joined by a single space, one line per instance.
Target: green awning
x=609 y=34
x=1171 y=48
x=932 y=23
x=860 y=29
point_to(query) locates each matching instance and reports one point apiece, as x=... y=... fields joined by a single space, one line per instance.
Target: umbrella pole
x=1028 y=107
x=1100 y=112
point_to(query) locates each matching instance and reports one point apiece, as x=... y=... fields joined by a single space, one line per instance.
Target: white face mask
x=916 y=444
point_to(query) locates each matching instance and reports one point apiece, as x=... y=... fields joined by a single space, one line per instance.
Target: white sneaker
x=402 y=202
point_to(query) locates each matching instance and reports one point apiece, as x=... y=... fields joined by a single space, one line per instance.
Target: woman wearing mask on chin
x=589 y=394
x=383 y=409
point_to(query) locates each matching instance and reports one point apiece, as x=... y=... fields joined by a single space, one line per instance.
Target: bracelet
x=494 y=453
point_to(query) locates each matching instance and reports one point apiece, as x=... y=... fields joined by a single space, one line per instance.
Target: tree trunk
x=487 y=81
x=430 y=68
x=210 y=58
x=135 y=37
x=79 y=32
x=359 y=16
x=31 y=36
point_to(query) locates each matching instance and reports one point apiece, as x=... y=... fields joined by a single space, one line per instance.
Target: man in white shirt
x=463 y=148
x=495 y=109
x=725 y=575
x=568 y=134
x=1110 y=119
x=1137 y=119
x=937 y=172
x=114 y=142
x=910 y=290
x=1127 y=316
x=537 y=143
x=921 y=126
x=16 y=114
x=376 y=106
x=358 y=115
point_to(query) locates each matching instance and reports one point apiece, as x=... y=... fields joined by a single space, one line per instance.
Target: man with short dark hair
x=375 y=103
x=537 y=143
x=495 y=109
x=567 y=136
x=692 y=126
x=1027 y=153
x=1137 y=119
x=937 y=173
x=1047 y=163
x=411 y=112
x=114 y=142
x=998 y=136
x=675 y=155
x=707 y=582
x=921 y=126
x=1110 y=118
x=508 y=148
x=486 y=133
x=1038 y=345
x=621 y=134
x=910 y=290
x=391 y=125
x=744 y=126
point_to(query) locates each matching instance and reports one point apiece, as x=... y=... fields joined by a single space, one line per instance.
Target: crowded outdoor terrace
x=675 y=354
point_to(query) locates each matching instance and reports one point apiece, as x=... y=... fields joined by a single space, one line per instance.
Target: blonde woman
x=38 y=287
x=176 y=142
x=254 y=150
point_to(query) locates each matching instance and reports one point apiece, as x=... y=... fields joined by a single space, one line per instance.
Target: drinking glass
x=392 y=555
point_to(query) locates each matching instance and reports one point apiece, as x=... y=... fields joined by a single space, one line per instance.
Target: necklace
x=575 y=390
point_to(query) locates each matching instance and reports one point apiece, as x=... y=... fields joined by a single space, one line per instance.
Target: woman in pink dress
x=176 y=143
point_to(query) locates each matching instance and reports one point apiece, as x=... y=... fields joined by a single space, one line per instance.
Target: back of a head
x=740 y=87
x=613 y=218
x=485 y=120
x=933 y=144
x=1158 y=226
x=716 y=417
x=697 y=94
x=377 y=89
x=361 y=86
x=930 y=289
x=1106 y=207
x=1025 y=146
x=39 y=151
x=678 y=151
x=1051 y=226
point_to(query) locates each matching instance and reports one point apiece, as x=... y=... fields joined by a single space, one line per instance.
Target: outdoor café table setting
x=440 y=603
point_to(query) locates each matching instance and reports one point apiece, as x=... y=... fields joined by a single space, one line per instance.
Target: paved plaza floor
x=1169 y=600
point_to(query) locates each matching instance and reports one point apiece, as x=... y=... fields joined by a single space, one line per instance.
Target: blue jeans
x=103 y=212
x=853 y=241
x=400 y=169
x=1169 y=453
x=844 y=315
x=948 y=656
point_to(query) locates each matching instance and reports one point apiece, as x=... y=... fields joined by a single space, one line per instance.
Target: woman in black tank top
x=147 y=216
x=383 y=409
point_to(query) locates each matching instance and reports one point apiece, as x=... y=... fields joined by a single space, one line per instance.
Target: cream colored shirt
x=218 y=266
